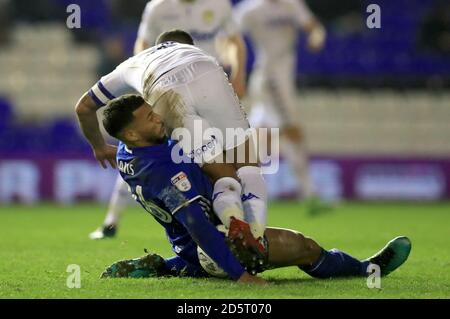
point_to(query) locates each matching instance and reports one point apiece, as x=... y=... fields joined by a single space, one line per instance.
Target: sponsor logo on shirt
x=207 y=148
x=181 y=182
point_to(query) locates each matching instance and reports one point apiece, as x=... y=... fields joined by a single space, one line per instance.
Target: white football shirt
x=205 y=20
x=144 y=69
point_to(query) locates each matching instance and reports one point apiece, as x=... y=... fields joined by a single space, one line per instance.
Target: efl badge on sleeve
x=181 y=182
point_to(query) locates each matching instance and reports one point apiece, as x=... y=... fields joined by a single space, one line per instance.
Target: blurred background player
x=273 y=27
x=209 y=22
x=213 y=29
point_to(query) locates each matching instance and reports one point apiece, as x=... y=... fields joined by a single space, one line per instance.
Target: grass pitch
x=38 y=243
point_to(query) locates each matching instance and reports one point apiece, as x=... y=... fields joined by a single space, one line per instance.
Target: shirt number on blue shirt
x=152 y=208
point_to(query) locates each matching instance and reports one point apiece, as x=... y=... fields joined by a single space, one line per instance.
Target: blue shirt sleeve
x=206 y=235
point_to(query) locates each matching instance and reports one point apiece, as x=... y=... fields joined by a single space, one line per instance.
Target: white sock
x=254 y=198
x=297 y=156
x=227 y=200
x=118 y=202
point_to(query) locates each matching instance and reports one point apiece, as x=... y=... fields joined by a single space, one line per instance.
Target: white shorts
x=199 y=99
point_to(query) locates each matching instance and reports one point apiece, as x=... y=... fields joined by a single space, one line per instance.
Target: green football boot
x=393 y=255
x=150 y=265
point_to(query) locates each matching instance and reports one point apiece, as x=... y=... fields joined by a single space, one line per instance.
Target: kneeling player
x=179 y=196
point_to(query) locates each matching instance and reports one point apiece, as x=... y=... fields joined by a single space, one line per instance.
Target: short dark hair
x=119 y=113
x=175 y=35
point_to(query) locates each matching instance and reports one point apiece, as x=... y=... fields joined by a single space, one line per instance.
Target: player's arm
x=311 y=25
x=233 y=49
x=86 y=110
x=105 y=90
x=237 y=58
x=212 y=242
x=316 y=35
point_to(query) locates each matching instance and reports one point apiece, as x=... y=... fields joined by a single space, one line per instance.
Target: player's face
x=147 y=125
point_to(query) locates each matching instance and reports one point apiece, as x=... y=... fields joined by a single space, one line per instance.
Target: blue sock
x=335 y=263
x=178 y=267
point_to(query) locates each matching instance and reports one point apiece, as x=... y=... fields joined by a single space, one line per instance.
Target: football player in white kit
x=273 y=27
x=211 y=25
x=189 y=90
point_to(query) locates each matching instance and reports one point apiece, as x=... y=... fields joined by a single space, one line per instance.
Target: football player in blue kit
x=178 y=195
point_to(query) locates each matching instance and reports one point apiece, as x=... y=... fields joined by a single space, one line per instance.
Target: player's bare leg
x=291 y=144
x=291 y=248
x=293 y=147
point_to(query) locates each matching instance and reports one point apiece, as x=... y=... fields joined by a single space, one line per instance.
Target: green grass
x=38 y=243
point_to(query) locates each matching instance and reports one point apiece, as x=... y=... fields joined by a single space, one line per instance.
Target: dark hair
x=119 y=113
x=176 y=35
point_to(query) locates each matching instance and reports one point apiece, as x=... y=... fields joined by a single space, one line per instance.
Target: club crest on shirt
x=181 y=182
x=208 y=16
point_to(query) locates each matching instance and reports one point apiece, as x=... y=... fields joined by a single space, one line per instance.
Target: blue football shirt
x=163 y=187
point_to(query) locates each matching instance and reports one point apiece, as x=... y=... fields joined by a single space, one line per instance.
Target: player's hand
x=316 y=40
x=248 y=279
x=106 y=154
